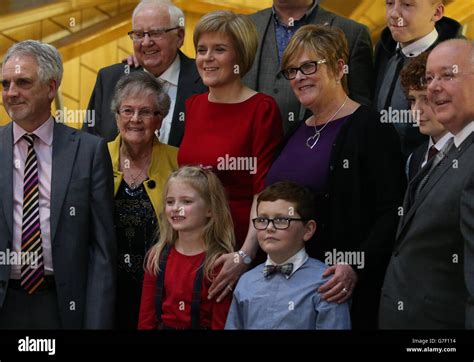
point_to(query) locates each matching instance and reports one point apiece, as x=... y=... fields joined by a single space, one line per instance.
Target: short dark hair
x=300 y=196
x=413 y=73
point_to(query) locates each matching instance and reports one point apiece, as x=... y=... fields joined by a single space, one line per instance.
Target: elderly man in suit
x=57 y=239
x=429 y=282
x=157 y=35
x=275 y=27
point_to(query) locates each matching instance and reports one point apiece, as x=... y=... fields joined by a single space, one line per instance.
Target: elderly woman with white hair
x=141 y=167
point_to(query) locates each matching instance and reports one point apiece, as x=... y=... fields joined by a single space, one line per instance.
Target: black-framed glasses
x=153 y=34
x=305 y=68
x=144 y=113
x=280 y=223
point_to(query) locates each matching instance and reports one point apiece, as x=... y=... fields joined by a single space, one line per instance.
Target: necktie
x=32 y=270
x=433 y=151
x=285 y=269
x=389 y=82
x=432 y=166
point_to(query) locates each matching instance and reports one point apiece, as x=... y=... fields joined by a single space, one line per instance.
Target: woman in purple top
x=353 y=164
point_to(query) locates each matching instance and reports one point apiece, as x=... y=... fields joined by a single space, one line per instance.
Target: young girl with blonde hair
x=195 y=229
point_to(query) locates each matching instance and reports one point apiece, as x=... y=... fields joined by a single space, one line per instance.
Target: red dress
x=238 y=140
x=178 y=294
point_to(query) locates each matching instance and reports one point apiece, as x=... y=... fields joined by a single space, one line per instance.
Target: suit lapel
x=444 y=165
x=65 y=144
x=6 y=174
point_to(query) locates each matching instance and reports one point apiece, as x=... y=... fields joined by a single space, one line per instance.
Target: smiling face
x=410 y=20
x=316 y=88
x=25 y=97
x=424 y=114
x=185 y=209
x=156 y=55
x=452 y=100
x=216 y=60
x=138 y=130
x=282 y=244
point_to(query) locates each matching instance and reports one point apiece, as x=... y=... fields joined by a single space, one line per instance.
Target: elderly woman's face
x=310 y=88
x=216 y=60
x=138 y=119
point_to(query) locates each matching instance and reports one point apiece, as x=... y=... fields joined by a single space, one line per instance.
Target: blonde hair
x=218 y=234
x=322 y=40
x=240 y=28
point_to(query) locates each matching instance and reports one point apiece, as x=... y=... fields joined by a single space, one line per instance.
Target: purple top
x=303 y=165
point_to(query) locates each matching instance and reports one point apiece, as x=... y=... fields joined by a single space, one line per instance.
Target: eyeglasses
x=280 y=223
x=144 y=113
x=153 y=34
x=445 y=77
x=306 y=68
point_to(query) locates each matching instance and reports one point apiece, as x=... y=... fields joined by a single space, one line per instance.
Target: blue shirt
x=283 y=33
x=280 y=303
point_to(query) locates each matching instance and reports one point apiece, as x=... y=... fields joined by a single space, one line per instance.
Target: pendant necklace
x=313 y=140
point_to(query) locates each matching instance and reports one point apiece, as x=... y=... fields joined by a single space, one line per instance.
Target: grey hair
x=50 y=65
x=141 y=83
x=460 y=41
x=175 y=13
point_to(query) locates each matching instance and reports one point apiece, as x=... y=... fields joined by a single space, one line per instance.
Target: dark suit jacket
x=104 y=124
x=83 y=242
x=429 y=282
x=359 y=210
x=264 y=75
x=416 y=159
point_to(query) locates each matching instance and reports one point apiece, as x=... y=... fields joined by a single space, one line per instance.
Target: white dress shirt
x=43 y=145
x=463 y=134
x=417 y=47
x=298 y=260
x=438 y=145
x=169 y=79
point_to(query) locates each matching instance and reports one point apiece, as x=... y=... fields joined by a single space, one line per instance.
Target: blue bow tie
x=285 y=269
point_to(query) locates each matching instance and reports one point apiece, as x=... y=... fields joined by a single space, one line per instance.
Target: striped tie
x=32 y=269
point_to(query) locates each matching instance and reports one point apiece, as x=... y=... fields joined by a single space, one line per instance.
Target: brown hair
x=322 y=40
x=240 y=28
x=413 y=73
x=300 y=196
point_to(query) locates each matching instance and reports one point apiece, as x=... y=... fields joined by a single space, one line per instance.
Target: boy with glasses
x=282 y=292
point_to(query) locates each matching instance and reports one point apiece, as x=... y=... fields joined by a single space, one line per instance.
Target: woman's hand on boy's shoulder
x=228 y=276
x=340 y=287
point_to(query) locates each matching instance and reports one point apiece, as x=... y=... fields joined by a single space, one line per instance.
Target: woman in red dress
x=231 y=129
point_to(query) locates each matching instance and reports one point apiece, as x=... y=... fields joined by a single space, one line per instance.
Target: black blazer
x=416 y=159
x=359 y=211
x=104 y=125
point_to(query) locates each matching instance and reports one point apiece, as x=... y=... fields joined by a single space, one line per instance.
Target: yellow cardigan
x=164 y=160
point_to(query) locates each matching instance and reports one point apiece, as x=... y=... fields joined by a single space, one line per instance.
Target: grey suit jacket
x=82 y=227
x=429 y=282
x=264 y=75
x=103 y=123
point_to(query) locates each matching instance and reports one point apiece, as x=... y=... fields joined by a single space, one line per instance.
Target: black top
x=136 y=225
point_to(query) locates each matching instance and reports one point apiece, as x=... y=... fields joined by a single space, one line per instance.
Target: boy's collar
x=419 y=46
x=297 y=260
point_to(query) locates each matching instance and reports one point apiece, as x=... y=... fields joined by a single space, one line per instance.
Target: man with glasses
x=157 y=35
x=429 y=282
x=282 y=293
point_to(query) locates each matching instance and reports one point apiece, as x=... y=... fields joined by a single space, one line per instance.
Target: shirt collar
x=465 y=132
x=417 y=47
x=441 y=142
x=43 y=132
x=298 y=260
x=305 y=16
x=171 y=75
